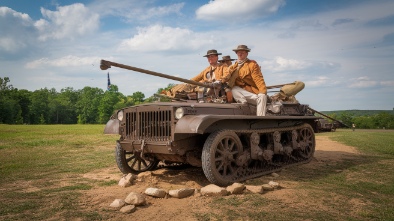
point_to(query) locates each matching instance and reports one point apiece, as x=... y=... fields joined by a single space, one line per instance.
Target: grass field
x=41 y=167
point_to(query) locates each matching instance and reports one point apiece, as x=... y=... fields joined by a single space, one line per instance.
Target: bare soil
x=98 y=199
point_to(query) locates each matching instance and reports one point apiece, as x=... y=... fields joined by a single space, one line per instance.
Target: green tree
x=108 y=103
x=87 y=105
x=138 y=97
x=39 y=108
x=23 y=97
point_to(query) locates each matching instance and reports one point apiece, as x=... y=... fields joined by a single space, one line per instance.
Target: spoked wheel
x=130 y=162
x=219 y=156
x=307 y=139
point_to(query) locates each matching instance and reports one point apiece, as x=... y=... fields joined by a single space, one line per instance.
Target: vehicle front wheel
x=131 y=162
x=219 y=157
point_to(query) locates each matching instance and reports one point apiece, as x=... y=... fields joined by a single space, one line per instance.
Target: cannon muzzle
x=104 y=65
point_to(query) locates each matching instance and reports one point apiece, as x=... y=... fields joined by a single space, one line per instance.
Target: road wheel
x=219 y=155
x=130 y=162
x=307 y=138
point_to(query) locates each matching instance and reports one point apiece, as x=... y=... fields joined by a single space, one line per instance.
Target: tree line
x=381 y=120
x=92 y=105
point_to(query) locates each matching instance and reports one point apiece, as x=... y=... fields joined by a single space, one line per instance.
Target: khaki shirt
x=221 y=71
x=249 y=77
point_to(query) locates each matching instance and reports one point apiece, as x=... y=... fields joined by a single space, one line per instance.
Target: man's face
x=213 y=59
x=242 y=55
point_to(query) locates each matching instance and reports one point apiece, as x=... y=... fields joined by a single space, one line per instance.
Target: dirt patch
x=99 y=198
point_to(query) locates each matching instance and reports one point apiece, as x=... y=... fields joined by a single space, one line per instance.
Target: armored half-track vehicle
x=227 y=140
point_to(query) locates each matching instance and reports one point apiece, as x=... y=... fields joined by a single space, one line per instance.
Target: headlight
x=179 y=113
x=120 y=115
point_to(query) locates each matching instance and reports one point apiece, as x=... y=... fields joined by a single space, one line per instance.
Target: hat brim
x=248 y=50
x=227 y=60
x=212 y=54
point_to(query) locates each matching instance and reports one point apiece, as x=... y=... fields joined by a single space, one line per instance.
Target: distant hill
x=358 y=112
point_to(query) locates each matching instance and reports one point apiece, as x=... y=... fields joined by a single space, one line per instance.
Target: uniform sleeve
x=200 y=76
x=258 y=78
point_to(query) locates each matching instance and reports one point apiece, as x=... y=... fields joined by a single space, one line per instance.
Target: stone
x=181 y=193
x=118 y=203
x=155 y=192
x=127 y=209
x=236 y=188
x=267 y=187
x=275 y=185
x=136 y=199
x=213 y=190
x=254 y=189
x=126 y=181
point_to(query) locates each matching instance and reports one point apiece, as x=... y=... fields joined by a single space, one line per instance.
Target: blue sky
x=342 y=50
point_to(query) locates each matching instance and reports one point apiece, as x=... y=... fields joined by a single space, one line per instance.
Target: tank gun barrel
x=104 y=65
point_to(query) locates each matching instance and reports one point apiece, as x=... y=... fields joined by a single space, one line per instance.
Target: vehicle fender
x=191 y=124
x=112 y=127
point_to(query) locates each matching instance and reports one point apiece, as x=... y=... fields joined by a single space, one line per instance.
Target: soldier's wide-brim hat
x=227 y=58
x=242 y=48
x=211 y=52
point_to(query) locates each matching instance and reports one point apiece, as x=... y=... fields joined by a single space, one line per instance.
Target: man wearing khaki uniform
x=214 y=73
x=247 y=81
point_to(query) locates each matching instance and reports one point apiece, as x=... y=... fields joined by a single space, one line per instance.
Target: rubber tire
x=125 y=161
x=209 y=156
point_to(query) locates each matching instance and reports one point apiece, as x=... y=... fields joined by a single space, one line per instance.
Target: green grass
x=369 y=141
x=39 y=156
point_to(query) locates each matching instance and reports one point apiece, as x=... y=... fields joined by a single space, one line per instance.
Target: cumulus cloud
x=163 y=38
x=238 y=9
x=134 y=10
x=363 y=82
x=67 y=22
x=320 y=80
x=66 y=61
x=17 y=30
x=280 y=64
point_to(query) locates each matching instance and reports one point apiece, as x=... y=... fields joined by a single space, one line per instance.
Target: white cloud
x=238 y=9
x=66 y=61
x=362 y=82
x=322 y=80
x=162 y=38
x=134 y=10
x=16 y=30
x=161 y=11
x=67 y=22
x=283 y=64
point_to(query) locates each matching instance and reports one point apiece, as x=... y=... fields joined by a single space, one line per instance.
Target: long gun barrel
x=104 y=65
